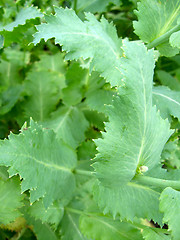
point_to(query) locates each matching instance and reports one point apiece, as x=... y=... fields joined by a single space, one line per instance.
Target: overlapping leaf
x=104 y=228
x=52 y=215
x=95 y=5
x=44 y=163
x=136 y=134
x=130 y=201
x=10 y=200
x=44 y=90
x=90 y=39
x=167 y=101
x=149 y=234
x=156 y=19
x=69 y=124
x=169 y=205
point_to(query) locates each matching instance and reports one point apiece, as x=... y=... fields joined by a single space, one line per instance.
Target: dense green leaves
x=93 y=166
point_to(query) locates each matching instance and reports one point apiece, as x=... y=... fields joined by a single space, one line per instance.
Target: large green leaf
x=90 y=39
x=130 y=201
x=156 y=19
x=135 y=134
x=169 y=205
x=167 y=101
x=105 y=228
x=44 y=163
x=10 y=200
x=69 y=124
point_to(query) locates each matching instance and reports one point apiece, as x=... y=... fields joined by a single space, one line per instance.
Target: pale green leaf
x=70 y=227
x=105 y=228
x=9 y=98
x=169 y=205
x=69 y=124
x=21 y=18
x=14 y=60
x=94 y=5
x=10 y=200
x=44 y=163
x=52 y=63
x=130 y=201
x=168 y=80
x=1 y=41
x=167 y=101
x=97 y=100
x=150 y=233
x=90 y=39
x=52 y=215
x=175 y=39
x=42 y=231
x=44 y=91
x=156 y=18
x=135 y=134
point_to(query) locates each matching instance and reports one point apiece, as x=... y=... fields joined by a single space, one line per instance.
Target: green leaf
x=70 y=227
x=21 y=18
x=150 y=233
x=90 y=39
x=44 y=91
x=11 y=65
x=175 y=39
x=52 y=63
x=105 y=228
x=157 y=20
x=171 y=154
x=169 y=205
x=37 y=152
x=130 y=201
x=9 y=98
x=135 y=134
x=42 y=231
x=94 y=6
x=98 y=99
x=52 y=215
x=167 y=101
x=69 y=124
x=168 y=80
x=10 y=200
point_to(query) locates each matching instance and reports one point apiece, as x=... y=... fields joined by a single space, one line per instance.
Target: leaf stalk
x=163 y=38
x=157 y=182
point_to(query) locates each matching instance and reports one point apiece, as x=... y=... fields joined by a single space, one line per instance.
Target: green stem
x=83 y=172
x=75 y=6
x=157 y=182
x=163 y=38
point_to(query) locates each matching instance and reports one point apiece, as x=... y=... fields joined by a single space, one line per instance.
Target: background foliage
x=75 y=99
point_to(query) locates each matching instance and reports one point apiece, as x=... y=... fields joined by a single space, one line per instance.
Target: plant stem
x=83 y=172
x=157 y=182
x=75 y=6
x=163 y=38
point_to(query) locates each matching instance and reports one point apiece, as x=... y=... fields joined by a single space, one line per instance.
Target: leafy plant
x=90 y=120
